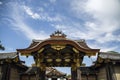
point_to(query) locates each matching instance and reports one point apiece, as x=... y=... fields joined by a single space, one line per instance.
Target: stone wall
x=117 y=72
x=102 y=74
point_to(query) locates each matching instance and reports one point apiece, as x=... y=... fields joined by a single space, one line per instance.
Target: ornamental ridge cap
x=58 y=34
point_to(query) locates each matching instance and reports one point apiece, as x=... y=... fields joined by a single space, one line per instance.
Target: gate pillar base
x=74 y=74
x=42 y=75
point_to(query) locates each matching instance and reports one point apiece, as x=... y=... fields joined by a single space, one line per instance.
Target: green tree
x=113 y=52
x=1 y=47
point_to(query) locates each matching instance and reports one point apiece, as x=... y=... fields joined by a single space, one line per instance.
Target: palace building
x=59 y=51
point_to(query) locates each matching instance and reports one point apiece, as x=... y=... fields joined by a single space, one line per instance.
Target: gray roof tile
x=8 y=55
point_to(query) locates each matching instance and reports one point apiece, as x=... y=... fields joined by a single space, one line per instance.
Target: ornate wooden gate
x=58 y=51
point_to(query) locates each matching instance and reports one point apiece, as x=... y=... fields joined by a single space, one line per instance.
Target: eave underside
x=39 y=46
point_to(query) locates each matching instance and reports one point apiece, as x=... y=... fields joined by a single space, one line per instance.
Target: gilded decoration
x=58 y=60
x=40 y=50
x=78 y=63
x=73 y=67
x=58 y=34
x=58 y=47
x=75 y=50
x=67 y=60
x=49 y=60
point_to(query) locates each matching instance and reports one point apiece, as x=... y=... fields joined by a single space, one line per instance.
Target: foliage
x=113 y=52
x=1 y=47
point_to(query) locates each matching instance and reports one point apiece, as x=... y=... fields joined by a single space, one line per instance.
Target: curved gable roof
x=60 y=39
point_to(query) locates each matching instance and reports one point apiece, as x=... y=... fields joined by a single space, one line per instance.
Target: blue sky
x=96 y=21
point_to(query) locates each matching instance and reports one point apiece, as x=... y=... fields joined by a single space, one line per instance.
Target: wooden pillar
x=113 y=69
x=74 y=73
x=96 y=77
x=86 y=77
x=42 y=72
x=42 y=75
x=78 y=74
x=29 y=76
x=5 y=71
x=112 y=72
x=108 y=72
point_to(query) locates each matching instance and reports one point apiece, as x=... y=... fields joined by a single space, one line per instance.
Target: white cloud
x=109 y=37
x=19 y=23
x=52 y=1
x=41 y=15
x=103 y=9
x=59 y=27
x=103 y=47
x=1 y=3
x=105 y=12
x=103 y=18
x=101 y=23
x=97 y=29
x=76 y=33
x=31 y=13
x=29 y=32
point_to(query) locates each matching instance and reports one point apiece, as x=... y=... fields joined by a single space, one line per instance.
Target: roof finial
x=57 y=34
